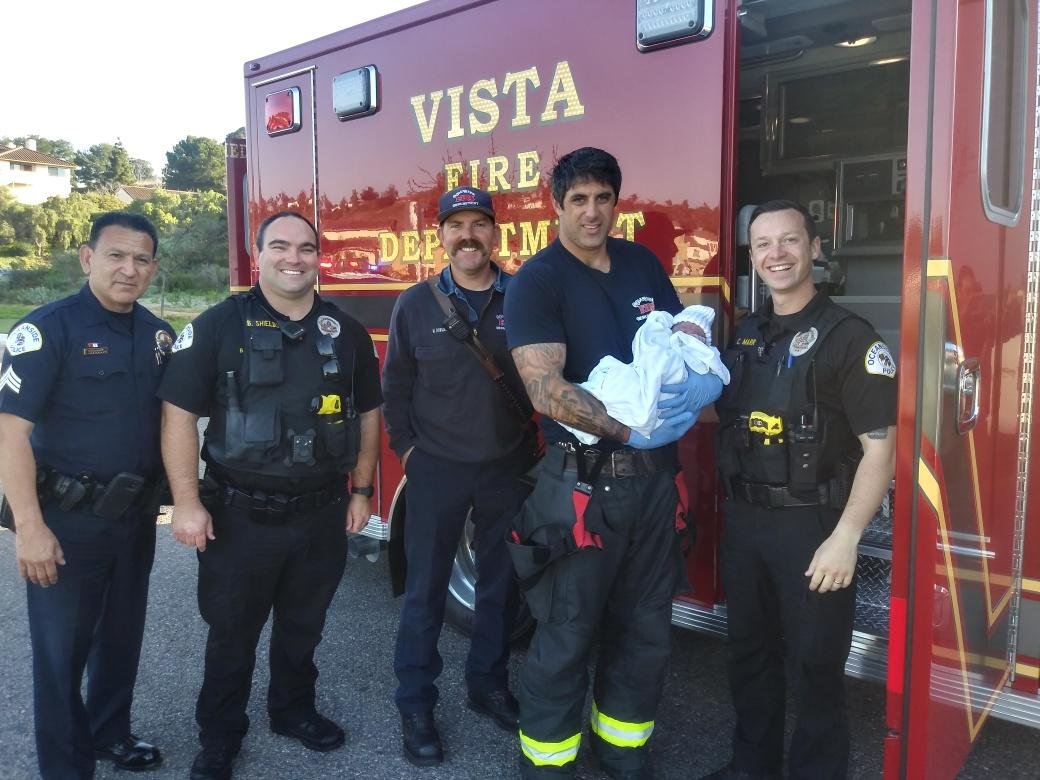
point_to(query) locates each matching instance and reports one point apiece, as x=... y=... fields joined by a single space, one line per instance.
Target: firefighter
x=79 y=437
x=806 y=454
x=462 y=441
x=595 y=544
x=291 y=386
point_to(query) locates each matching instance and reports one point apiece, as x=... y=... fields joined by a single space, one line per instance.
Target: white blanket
x=631 y=392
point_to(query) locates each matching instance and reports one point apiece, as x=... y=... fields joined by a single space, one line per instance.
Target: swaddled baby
x=664 y=350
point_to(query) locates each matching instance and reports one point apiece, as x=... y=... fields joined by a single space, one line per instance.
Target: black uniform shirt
x=213 y=344
x=87 y=377
x=557 y=299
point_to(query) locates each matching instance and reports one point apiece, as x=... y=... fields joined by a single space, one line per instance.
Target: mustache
x=470 y=243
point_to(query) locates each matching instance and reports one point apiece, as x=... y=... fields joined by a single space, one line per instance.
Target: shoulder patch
x=185 y=339
x=879 y=361
x=328 y=325
x=25 y=338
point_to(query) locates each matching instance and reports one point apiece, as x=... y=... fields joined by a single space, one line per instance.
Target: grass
x=178 y=317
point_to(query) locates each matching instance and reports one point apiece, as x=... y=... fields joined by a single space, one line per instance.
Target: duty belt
x=624 y=462
x=777 y=496
x=276 y=508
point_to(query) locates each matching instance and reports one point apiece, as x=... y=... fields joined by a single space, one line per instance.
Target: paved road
x=356 y=688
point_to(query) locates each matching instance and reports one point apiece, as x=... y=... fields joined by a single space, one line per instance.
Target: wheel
x=458 y=611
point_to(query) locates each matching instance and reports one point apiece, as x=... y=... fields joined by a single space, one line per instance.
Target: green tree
x=103 y=167
x=143 y=169
x=195 y=163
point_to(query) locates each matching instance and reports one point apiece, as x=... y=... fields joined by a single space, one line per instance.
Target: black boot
x=422 y=743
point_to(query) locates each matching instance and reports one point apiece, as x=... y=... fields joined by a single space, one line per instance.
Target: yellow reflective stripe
x=618 y=732
x=550 y=753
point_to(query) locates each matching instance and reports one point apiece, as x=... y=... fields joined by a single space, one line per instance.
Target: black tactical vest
x=289 y=411
x=771 y=428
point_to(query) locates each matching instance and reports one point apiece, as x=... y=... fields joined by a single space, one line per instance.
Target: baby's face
x=690 y=329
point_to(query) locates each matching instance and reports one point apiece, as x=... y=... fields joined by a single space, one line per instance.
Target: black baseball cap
x=464 y=199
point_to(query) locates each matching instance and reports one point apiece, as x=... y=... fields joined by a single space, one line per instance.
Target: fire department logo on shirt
x=25 y=338
x=328 y=325
x=644 y=305
x=500 y=322
x=185 y=339
x=802 y=342
x=879 y=360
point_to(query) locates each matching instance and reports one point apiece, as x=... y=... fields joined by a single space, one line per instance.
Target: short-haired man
x=461 y=438
x=612 y=507
x=79 y=459
x=822 y=382
x=291 y=386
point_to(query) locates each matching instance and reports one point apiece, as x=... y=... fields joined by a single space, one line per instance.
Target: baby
x=664 y=349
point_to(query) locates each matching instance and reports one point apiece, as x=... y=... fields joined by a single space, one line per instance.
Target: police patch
x=802 y=342
x=328 y=325
x=185 y=339
x=879 y=360
x=25 y=338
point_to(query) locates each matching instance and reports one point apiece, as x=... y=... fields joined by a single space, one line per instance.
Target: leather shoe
x=131 y=754
x=422 y=743
x=313 y=730
x=213 y=762
x=501 y=706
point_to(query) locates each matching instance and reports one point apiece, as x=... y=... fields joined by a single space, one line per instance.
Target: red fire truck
x=907 y=127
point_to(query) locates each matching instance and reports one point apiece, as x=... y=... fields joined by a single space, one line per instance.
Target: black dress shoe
x=314 y=731
x=422 y=743
x=501 y=706
x=213 y=762
x=131 y=754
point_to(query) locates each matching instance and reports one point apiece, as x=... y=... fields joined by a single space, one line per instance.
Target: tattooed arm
x=541 y=369
x=834 y=563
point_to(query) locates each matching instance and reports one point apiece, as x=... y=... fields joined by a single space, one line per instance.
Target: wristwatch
x=367 y=492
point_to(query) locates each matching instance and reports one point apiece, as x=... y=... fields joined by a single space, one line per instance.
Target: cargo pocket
x=94 y=377
x=265 y=357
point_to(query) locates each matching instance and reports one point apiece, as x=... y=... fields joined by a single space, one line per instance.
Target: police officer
x=79 y=459
x=291 y=386
x=461 y=438
x=604 y=516
x=807 y=454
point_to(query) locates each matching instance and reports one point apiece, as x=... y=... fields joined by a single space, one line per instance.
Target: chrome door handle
x=969 y=379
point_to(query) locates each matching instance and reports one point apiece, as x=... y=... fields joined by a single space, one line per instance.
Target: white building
x=32 y=176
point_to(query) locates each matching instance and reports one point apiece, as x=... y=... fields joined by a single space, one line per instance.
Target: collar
x=772 y=324
x=446 y=284
x=258 y=295
x=95 y=313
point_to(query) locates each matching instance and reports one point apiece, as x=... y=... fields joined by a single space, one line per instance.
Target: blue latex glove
x=665 y=433
x=691 y=395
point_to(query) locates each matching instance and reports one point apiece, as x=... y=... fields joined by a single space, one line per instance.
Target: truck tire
x=458 y=612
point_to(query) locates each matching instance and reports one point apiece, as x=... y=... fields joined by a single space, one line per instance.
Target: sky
x=148 y=74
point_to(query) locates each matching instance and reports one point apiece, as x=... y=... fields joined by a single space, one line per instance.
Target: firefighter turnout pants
x=772 y=614
x=624 y=593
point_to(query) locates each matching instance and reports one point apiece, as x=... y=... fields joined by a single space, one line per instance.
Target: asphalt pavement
x=356 y=688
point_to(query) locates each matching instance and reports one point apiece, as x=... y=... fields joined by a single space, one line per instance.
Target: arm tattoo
x=880 y=433
x=541 y=368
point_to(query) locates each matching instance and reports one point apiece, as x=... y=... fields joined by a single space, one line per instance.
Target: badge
x=328 y=325
x=25 y=338
x=879 y=360
x=163 y=345
x=185 y=339
x=802 y=342
x=12 y=380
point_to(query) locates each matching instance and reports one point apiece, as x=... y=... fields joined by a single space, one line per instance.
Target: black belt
x=276 y=508
x=777 y=496
x=623 y=462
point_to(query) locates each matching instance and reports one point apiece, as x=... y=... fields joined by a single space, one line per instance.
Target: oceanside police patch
x=879 y=360
x=25 y=338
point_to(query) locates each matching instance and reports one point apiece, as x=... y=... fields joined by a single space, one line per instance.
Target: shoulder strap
x=483 y=355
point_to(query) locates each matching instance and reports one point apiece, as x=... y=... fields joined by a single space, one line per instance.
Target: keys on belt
x=777 y=496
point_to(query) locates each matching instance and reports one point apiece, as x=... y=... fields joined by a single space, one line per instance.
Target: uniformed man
x=605 y=515
x=79 y=461
x=291 y=386
x=806 y=453
x=461 y=439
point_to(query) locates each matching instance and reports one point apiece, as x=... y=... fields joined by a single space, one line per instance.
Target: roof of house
x=138 y=192
x=22 y=155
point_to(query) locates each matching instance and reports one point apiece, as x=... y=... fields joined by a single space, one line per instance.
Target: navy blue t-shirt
x=557 y=299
